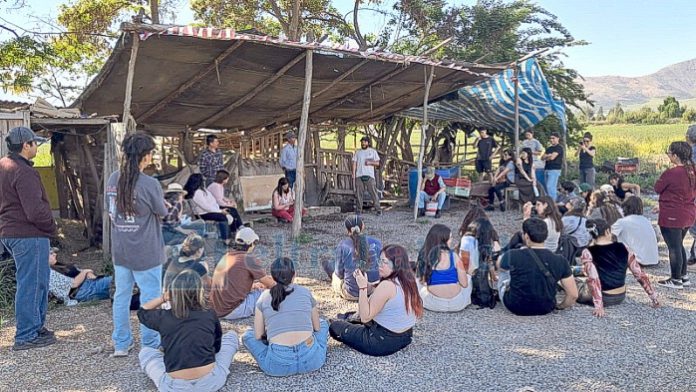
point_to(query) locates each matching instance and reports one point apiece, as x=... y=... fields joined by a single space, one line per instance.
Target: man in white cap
x=239 y=279
x=26 y=225
x=364 y=162
x=288 y=158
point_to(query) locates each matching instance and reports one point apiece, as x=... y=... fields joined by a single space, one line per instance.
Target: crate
x=627 y=166
x=458 y=186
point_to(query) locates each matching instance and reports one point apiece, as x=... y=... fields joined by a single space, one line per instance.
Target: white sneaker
x=122 y=353
x=671 y=283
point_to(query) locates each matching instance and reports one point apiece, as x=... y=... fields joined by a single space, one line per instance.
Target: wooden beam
x=114 y=136
x=302 y=141
x=424 y=128
x=397 y=100
x=241 y=101
x=293 y=108
x=128 y=98
x=361 y=89
x=191 y=82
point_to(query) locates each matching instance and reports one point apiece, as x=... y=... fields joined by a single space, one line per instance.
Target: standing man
x=26 y=224
x=487 y=147
x=537 y=150
x=288 y=158
x=586 y=154
x=210 y=160
x=554 y=162
x=364 y=162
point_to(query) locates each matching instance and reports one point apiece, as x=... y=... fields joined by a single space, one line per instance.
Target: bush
x=8 y=285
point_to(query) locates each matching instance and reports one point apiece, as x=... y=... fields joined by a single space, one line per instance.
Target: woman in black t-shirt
x=196 y=355
x=526 y=177
x=605 y=263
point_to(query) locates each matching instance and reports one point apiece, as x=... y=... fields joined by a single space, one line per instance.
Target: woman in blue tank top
x=444 y=284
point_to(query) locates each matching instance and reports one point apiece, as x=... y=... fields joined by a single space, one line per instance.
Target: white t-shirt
x=535 y=146
x=638 y=234
x=360 y=157
x=204 y=202
x=551 y=242
x=470 y=244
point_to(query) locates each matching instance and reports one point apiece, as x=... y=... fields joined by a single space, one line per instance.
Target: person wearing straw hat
x=26 y=224
x=288 y=158
x=432 y=188
x=176 y=225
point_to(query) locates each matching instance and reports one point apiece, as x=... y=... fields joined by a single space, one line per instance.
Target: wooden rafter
x=241 y=101
x=191 y=82
x=293 y=108
x=397 y=100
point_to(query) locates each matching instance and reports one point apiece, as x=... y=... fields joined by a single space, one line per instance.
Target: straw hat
x=175 y=188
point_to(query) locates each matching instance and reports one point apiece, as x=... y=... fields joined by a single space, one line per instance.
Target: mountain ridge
x=676 y=80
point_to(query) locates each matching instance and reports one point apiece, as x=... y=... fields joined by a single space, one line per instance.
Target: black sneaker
x=686 y=282
x=489 y=208
x=671 y=283
x=502 y=207
x=438 y=214
x=39 y=341
x=378 y=212
x=691 y=261
x=45 y=332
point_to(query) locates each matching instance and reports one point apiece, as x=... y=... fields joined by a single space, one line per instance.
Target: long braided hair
x=135 y=147
x=682 y=150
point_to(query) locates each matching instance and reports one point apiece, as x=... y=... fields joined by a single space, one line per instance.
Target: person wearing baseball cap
x=364 y=162
x=26 y=226
x=288 y=158
x=239 y=279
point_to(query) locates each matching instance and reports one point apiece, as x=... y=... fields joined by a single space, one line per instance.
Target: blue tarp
x=491 y=104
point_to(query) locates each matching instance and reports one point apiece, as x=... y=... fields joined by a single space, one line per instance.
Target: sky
x=626 y=37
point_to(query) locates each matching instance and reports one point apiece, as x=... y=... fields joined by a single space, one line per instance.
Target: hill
x=677 y=80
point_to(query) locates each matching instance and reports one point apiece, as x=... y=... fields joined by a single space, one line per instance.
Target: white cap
x=246 y=236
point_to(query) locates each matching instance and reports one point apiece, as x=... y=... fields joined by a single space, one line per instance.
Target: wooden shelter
x=173 y=81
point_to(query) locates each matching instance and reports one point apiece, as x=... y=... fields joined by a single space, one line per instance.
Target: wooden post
x=424 y=128
x=517 y=110
x=302 y=141
x=127 y=118
x=115 y=133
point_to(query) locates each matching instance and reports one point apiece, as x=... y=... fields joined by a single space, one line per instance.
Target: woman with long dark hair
x=195 y=355
x=283 y=199
x=217 y=189
x=288 y=337
x=526 y=176
x=603 y=207
x=471 y=216
x=206 y=207
x=388 y=316
x=504 y=177
x=622 y=188
x=574 y=221
x=546 y=209
x=358 y=251
x=677 y=212
x=478 y=243
x=605 y=263
x=136 y=206
x=443 y=282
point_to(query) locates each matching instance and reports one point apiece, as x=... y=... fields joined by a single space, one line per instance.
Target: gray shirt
x=535 y=146
x=136 y=241
x=294 y=313
x=288 y=157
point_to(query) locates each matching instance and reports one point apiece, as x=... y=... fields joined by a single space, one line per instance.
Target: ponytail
x=282 y=271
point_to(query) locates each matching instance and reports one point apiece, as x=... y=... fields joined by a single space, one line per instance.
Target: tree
x=600 y=114
x=616 y=114
x=670 y=108
x=689 y=115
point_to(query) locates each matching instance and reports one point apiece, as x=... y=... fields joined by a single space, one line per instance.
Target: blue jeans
x=172 y=236
x=246 y=308
x=150 y=285
x=552 y=177
x=277 y=360
x=291 y=175
x=541 y=178
x=424 y=197
x=94 y=289
x=31 y=299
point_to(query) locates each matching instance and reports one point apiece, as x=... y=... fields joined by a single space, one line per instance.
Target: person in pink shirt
x=217 y=189
x=676 y=209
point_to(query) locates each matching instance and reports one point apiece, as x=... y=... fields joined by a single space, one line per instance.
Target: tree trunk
x=294 y=30
x=154 y=10
x=341 y=142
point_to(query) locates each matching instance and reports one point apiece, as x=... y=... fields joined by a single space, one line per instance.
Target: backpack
x=568 y=246
x=482 y=294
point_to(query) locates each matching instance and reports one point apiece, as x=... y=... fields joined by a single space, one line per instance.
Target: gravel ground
x=634 y=348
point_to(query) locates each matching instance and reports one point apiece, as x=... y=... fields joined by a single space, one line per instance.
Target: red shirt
x=677 y=195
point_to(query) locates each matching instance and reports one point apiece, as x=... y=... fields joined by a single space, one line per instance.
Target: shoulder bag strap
x=542 y=267
x=576 y=228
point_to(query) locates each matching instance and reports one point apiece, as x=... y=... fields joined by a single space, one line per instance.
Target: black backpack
x=482 y=294
x=568 y=246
